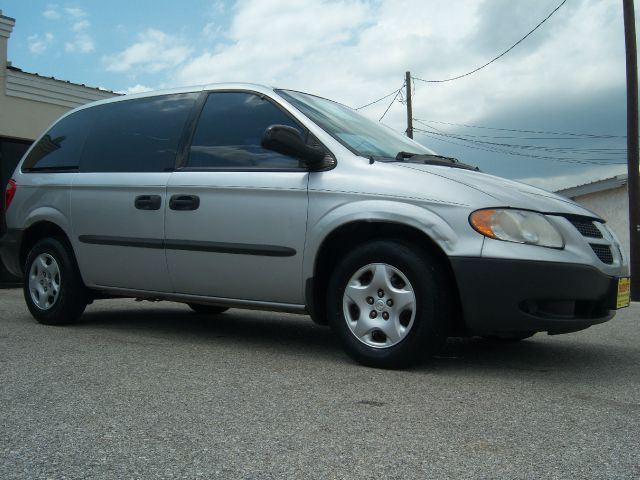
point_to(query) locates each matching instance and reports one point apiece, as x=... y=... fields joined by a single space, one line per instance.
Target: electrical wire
x=496 y=149
x=499 y=56
x=545 y=148
x=392 y=102
x=539 y=132
x=508 y=137
x=501 y=146
x=395 y=92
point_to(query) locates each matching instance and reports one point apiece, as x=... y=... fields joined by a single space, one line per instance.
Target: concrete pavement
x=152 y=390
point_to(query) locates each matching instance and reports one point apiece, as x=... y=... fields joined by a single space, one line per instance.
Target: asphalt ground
x=152 y=390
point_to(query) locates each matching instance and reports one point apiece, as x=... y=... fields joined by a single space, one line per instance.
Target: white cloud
x=154 y=51
x=270 y=40
x=38 y=45
x=138 y=88
x=218 y=7
x=81 y=25
x=51 y=13
x=355 y=51
x=75 y=12
x=82 y=43
x=212 y=31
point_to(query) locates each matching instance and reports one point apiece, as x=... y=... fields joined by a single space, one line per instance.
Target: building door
x=11 y=151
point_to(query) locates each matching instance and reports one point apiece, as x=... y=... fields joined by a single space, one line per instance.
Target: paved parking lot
x=151 y=390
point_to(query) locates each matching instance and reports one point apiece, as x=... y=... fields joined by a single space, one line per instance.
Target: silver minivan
x=239 y=195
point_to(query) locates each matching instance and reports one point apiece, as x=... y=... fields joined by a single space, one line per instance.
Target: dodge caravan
x=239 y=195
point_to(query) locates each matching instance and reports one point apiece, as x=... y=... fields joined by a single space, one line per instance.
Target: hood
x=507 y=193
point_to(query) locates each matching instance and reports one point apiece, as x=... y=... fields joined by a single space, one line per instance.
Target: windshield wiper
x=433 y=159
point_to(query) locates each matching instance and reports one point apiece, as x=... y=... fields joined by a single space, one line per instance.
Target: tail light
x=9 y=193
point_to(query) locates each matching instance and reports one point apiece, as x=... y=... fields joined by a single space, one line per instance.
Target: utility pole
x=407 y=81
x=632 y=146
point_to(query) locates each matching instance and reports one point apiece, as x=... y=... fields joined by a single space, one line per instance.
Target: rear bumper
x=10 y=251
x=517 y=296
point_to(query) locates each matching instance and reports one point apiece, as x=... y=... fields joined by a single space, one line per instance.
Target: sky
x=566 y=80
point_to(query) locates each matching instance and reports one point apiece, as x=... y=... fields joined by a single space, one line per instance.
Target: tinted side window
x=59 y=149
x=229 y=133
x=140 y=135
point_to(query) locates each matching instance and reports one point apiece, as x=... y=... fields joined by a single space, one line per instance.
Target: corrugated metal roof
x=600 y=185
x=16 y=69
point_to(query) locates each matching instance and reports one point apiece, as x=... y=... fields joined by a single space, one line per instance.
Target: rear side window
x=229 y=133
x=59 y=149
x=140 y=135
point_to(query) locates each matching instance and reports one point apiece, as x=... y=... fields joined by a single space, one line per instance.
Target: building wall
x=30 y=103
x=26 y=119
x=613 y=206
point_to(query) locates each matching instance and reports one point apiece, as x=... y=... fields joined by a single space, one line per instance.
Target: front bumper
x=519 y=296
x=10 y=251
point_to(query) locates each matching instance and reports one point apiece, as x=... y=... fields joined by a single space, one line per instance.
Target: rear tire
x=53 y=289
x=207 y=309
x=389 y=303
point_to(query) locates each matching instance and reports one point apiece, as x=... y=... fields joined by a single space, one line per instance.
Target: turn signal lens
x=519 y=226
x=9 y=193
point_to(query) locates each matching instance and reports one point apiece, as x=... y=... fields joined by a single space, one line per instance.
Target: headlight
x=520 y=226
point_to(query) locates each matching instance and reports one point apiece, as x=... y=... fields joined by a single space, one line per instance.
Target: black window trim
x=61 y=169
x=183 y=156
x=189 y=131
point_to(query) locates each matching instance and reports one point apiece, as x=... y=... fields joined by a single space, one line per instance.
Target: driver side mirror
x=288 y=141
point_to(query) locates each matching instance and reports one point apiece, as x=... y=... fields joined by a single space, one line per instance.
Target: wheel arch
x=37 y=231
x=350 y=235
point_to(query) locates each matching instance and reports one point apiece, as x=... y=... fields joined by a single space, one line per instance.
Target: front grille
x=587 y=228
x=603 y=252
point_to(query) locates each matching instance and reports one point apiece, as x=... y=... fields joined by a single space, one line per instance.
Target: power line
x=499 y=146
x=539 y=132
x=496 y=149
x=516 y=137
x=499 y=56
x=379 y=99
x=392 y=101
x=511 y=154
x=551 y=149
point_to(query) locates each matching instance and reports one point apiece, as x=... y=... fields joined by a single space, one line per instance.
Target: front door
x=236 y=213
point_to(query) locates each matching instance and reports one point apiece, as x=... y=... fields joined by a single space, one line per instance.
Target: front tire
x=389 y=304
x=53 y=289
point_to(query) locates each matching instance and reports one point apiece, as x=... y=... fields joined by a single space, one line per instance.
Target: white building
x=607 y=197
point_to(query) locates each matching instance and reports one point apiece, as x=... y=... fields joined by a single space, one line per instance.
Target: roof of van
x=253 y=87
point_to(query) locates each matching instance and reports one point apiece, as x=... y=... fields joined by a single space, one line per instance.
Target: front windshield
x=361 y=135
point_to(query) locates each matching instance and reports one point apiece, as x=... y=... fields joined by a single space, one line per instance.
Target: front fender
x=428 y=221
